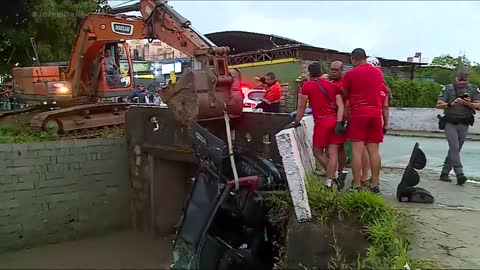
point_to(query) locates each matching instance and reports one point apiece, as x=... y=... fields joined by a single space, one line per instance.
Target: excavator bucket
x=182 y=99
x=197 y=95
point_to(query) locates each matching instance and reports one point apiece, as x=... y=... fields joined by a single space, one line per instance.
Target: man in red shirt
x=273 y=95
x=362 y=86
x=327 y=108
x=336 y=73
x=336 y=77
x=385 y=114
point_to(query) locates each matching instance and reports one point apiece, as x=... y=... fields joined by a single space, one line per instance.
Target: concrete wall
x=57 y=191
x=421 y=119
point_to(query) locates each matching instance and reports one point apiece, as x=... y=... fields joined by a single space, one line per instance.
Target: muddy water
x=125 y=250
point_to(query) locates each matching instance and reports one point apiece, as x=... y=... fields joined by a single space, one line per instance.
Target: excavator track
x=81 y=120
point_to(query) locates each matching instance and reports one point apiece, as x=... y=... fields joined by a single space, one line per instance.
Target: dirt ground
x=123 y=250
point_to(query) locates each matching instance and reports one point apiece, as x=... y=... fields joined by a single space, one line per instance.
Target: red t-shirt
x=273 y=93
x=364 y=84
x=338 y=83
x=384 y=93
x=321 y=108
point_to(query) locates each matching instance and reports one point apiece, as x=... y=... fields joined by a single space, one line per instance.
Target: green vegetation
x=53 y=23
x=445 y=68
x=15 y=129
x=383 y=223
x=383 y=226
x=416 y=94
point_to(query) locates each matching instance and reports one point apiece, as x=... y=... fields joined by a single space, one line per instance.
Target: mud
x=124 y=250
x=313 y=244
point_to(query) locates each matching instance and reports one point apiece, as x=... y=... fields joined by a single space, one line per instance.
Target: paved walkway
x=124 y=250
x=447 y=231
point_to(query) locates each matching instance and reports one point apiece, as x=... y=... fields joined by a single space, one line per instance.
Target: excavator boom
x=200 y=94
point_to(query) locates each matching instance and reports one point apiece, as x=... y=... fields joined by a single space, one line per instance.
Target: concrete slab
x=124 y=250
x=294 y=146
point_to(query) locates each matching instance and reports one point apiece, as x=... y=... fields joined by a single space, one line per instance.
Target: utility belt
x=454 y=120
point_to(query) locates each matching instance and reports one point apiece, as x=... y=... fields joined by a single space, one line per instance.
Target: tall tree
x=446 y=60
x=13 y=21
x=53 y=24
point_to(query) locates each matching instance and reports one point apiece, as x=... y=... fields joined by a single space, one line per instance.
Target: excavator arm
x=200 y=94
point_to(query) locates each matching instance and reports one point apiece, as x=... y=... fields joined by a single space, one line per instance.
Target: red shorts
x=368 y=129
x=324 y=134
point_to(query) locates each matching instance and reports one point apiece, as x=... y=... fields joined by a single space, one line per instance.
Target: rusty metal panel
x=255 y=131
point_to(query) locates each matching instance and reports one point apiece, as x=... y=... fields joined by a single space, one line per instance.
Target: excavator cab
x=116 y=75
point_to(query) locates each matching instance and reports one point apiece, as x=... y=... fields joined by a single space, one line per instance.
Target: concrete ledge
x=423 y=134
x=422 y=120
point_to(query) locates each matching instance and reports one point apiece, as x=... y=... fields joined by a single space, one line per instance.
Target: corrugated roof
x=242 y=42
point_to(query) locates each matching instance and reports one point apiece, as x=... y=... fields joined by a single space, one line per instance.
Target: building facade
x=157 y=50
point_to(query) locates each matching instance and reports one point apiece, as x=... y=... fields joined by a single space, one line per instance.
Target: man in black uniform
x=459 y=101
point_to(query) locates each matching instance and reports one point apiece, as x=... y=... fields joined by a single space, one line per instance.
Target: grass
x=280 y=208
x=383 y=226
x=15 y=129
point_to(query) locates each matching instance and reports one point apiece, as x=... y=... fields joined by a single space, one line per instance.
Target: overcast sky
x=389 y=29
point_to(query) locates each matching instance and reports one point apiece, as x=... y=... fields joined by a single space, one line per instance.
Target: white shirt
x=157 y=101
x=109 y=63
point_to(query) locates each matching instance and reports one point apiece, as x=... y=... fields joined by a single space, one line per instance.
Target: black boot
x=444 y=177
x=461 y=179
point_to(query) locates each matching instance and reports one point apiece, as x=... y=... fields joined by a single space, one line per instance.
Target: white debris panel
x=295 y=147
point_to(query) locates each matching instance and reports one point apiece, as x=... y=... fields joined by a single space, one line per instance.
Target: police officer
x=459 y=101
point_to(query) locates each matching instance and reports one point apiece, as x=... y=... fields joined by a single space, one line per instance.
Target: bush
x=414 y=94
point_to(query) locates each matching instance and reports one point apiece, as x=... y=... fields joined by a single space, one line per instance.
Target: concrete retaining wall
x=57 y=191
x=421 y=119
